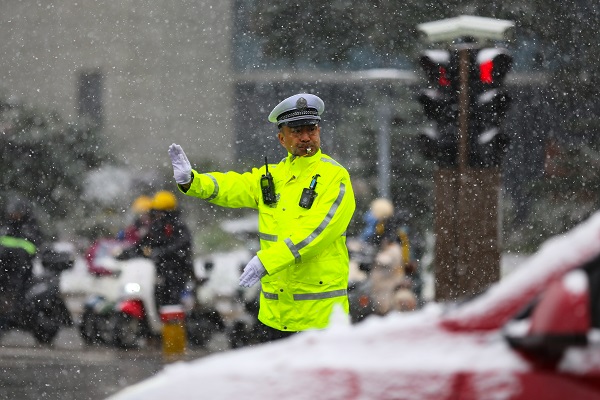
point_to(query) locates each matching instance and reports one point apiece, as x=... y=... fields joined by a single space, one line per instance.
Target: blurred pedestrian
x=140 y=210
x=394 y=270
x=20 y=237
x=375 y=219
x=169 y=244
x=305 y=203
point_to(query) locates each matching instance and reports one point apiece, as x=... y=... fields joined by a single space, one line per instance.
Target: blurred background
x=93 y=92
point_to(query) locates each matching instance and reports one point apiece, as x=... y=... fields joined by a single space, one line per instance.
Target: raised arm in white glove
x=253 y=271
x=182 y=169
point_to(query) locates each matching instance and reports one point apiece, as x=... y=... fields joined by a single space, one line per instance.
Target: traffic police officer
x=305 y=203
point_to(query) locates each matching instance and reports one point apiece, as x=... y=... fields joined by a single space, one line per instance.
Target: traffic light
x=489 y=104
x=440 y=104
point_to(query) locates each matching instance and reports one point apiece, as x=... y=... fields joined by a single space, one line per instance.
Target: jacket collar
x=299 y=164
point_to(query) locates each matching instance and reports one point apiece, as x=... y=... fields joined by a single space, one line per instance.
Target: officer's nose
x=305 y=134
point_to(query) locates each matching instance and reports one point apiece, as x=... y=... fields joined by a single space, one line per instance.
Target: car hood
x=421 y=353
x=493 y=308
x=399 y=353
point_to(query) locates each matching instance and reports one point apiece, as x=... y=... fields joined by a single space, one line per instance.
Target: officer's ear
x=280 y=137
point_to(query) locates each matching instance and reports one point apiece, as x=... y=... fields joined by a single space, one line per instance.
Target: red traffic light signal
x=440 y=105
x=492 y=65
x=439 y=100
x=489 y=105
x=436 y=64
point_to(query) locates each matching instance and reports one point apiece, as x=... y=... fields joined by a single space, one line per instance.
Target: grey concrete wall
x=166 y=68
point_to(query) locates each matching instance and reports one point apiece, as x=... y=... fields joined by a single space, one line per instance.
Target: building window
x=90 y=96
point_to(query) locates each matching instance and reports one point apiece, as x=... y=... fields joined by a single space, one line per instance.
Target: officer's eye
x=297 y=130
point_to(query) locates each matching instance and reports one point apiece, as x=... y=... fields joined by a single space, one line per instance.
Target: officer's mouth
x=307 y=150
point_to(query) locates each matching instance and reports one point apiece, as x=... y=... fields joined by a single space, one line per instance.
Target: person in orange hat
x=168 y=243
x=140 y=209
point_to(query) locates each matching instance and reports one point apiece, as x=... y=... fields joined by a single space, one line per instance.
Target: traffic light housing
x=490 y=102
x=440 y=105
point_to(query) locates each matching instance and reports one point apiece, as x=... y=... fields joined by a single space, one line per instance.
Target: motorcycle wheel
x=89 y=329
x=238 y=335
x=129 y=332
x=45 y=326
x=200 y=327
x=105 y=325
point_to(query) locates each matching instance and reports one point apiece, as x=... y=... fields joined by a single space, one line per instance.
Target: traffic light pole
x=465 y=102
x=467 y=255
x=464 y=64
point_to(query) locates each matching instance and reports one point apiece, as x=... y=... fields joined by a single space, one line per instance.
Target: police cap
x=296 y=110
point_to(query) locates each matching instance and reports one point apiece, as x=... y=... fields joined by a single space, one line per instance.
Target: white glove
x=182 y=169
x=253 y=271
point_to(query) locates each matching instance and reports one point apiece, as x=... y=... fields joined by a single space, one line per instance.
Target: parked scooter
x=123 y=312
x=42 y=311
x=203 y=320
x=97 y=320
x=244 y=330
x=136 y=318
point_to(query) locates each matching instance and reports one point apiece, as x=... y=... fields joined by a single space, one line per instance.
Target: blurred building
x=150 y=72
x=192 y=72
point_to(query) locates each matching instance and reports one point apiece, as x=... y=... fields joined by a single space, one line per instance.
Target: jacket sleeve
x=227 y=189
x=316 y=229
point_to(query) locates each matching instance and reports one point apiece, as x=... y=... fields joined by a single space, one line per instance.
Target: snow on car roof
x=555 y=257
x=382 y=357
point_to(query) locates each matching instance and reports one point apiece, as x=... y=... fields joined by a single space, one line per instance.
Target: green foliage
x=45 y=158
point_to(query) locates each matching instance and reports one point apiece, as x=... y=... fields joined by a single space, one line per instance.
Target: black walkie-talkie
x=309 y=194
x=267 y=186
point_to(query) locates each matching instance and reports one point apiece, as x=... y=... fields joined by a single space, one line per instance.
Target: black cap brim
x=300 y=122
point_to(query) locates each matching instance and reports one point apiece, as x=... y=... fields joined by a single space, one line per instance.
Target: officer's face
x=302 y=140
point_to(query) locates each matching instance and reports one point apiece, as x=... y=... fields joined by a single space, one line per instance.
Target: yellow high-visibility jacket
x=303 y=250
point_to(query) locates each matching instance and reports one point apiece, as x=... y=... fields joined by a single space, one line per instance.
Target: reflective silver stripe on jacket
x=319 y=296
x=267 y=237
x=330 y=161
x=309 y=296
x=216 y=191
x=295 y=249
x=270 y=296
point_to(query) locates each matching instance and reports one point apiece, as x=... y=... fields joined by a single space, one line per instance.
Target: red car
x=534 y=335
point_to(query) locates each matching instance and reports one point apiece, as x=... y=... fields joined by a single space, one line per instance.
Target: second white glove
x=182 y=169
x=253 y=271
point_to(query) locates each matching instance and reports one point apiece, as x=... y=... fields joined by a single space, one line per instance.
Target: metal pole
x=462 y=252
x=384 y=116
x=463 y=109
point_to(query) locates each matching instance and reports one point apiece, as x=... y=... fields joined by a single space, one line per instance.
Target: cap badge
x=301 y=103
